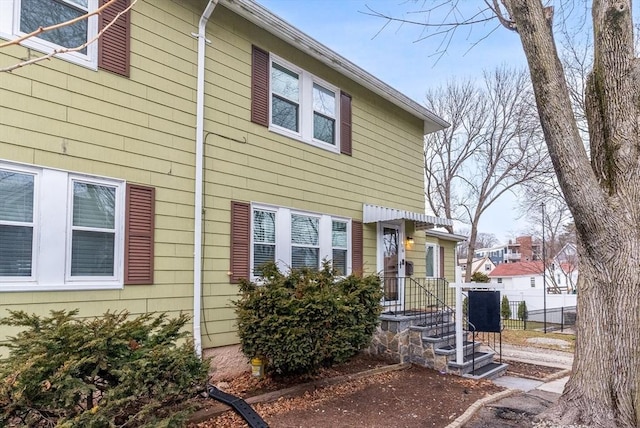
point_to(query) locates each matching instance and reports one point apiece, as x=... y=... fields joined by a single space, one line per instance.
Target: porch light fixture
x=410 y=241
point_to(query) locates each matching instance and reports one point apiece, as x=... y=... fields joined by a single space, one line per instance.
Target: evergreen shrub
x=307 y=319
x=522 y=311
x=505 y=308
x=109 y=371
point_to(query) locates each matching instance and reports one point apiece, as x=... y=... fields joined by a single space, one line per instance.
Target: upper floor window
x=532 y=280
x=20 y=17
x=293 y=102
x=303 y=106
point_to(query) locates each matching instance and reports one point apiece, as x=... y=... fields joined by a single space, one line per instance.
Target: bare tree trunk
x=604 y=198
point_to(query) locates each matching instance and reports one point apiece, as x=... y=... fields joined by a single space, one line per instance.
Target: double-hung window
x=295 y=239
x=285 y=98
x=17 y=224
x=93 y=230
x=303 y=106
x=264 y=238
x=20 y=17
x=59 y=230
x=339 y=241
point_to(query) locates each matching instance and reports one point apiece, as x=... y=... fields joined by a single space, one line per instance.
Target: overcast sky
x=401 y=57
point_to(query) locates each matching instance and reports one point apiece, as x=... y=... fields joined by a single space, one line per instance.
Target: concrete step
x=489 y=371
x=470 y=363
x=450 y=349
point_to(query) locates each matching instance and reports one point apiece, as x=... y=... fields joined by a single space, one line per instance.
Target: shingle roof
x=517 y=269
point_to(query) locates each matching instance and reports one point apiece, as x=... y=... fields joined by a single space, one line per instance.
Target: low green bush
x=307 y=319
x=109 y=371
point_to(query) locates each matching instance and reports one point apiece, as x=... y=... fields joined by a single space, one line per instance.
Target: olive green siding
x=142 y=129
x=61 y=115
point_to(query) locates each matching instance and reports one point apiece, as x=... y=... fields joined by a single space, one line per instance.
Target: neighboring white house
x=518 y=276
x=524 y=281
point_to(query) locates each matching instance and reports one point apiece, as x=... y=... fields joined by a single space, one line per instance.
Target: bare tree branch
x=62 y=24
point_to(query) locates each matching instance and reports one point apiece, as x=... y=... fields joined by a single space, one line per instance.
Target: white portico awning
x=376 y=213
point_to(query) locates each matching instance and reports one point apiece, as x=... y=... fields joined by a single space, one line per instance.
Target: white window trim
x=283 y=236
x=10 y=29
x=436 y=259
x=52 y=242
x=305 y=103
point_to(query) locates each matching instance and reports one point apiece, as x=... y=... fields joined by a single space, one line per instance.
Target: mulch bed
x=412 y=397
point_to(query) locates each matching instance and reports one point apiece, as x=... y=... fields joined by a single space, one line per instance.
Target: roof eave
x=280 y=28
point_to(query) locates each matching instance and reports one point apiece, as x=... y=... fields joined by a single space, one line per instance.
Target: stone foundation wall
x=398 y=339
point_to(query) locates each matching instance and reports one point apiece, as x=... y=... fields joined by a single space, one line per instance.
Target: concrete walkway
x=524 y=398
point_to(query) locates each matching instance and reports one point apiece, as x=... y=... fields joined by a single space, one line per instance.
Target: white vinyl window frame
x=435 y=255
x=306 y=111
x=10 y=11
x=52 y=233
x=118 y=256
x=343 y=249
x=283 y=244
x=34 y=224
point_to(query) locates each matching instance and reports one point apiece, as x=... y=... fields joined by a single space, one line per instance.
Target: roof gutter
x=197 y=232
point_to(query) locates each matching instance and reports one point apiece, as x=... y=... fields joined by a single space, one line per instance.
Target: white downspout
x=197 y=232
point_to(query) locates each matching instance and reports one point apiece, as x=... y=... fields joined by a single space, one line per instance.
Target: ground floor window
x=59 y=228
x=297 y=239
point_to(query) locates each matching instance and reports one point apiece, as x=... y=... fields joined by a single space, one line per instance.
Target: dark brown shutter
x=259 y=86
x=345 y=123
x=139 y=228
x=240 y=240
x=442 y=262
x=356 y=247
x=113 y=46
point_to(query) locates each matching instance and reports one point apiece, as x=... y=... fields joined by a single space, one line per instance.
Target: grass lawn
x=519 y=337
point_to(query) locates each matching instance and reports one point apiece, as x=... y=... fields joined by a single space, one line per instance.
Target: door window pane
x=431 y=261
x=44 y=13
